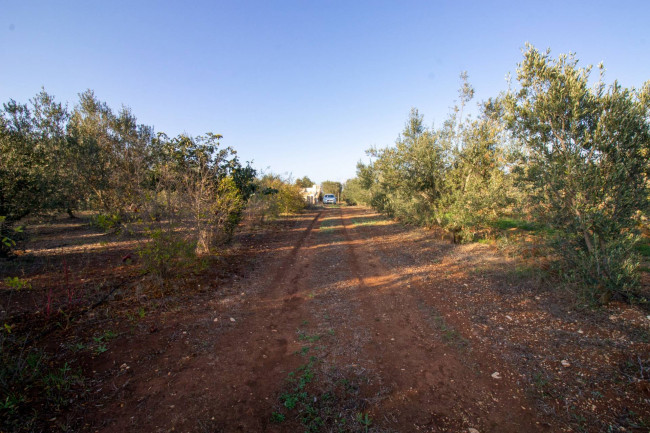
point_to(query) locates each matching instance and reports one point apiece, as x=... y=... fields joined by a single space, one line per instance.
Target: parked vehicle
x=329 y=199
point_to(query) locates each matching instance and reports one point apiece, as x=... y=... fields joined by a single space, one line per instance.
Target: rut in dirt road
x=220 y=370
x=437 y=381
x=334 y=330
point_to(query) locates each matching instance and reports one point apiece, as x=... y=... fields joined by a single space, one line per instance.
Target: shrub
x=106 y=222
x=585 y=165
x=165 y=250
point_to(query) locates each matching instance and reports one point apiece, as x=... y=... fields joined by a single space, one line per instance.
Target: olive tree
x=586 y=153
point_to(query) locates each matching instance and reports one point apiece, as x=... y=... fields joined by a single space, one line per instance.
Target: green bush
x=106 y=222
x=165 y=250
x=611 y=272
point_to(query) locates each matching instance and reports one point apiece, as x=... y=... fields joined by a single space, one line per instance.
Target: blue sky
x=300 y=87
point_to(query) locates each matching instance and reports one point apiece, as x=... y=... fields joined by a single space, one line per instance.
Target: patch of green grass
x=328 y=225
x=303 y=351
x=33 y=389
x=364 y=420
x=277 y=417
x=448 y=333
x=522 y=272
x=514 y=223
x=302 y=336
x=643 y=249
x=358 y=222
x=17 y=283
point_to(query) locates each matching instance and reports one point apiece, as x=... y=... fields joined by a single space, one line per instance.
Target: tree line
x=92 y=158
x=553 y=150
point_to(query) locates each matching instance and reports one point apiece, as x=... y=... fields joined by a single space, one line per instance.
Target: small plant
x=303 y=351
x=106 y=222
x=364 y=420
x=290 y=400
x=165 y=250
x=541 y=382
x=302 y=336
x=7 y=235
x=17 y=283
x=449 y=334
x=277 y=417
x=643 y=249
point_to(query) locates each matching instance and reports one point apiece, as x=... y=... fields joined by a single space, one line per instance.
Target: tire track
x=281 y=273
x=441 y=391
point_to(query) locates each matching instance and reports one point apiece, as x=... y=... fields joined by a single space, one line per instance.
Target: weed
x=520 y=272
x=291 y=400
x=17 y=283
x=277 y=417
x=449 y=334
x=302 y=336
x=512 y=223
x=140 y=314
x=101 y=341
x=541 y=383
x=303 y=351
x=106 y=222
x=358 y=222
x=364 y=420
x=338 y=408
x=33 y=389
x=643 y=249
x=48 y=303
x=164 y=250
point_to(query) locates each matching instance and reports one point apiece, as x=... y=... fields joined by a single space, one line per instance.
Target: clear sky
x=301 y=87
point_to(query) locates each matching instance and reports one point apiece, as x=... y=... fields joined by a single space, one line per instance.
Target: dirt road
x=345 y=321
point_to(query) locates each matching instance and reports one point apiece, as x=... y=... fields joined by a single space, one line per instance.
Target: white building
x=311 y=194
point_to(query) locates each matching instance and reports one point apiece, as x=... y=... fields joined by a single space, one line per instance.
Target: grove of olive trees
x=554 y=150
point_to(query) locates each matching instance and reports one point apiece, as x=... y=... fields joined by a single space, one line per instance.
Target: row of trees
x=571 y=156
x=91 y=158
